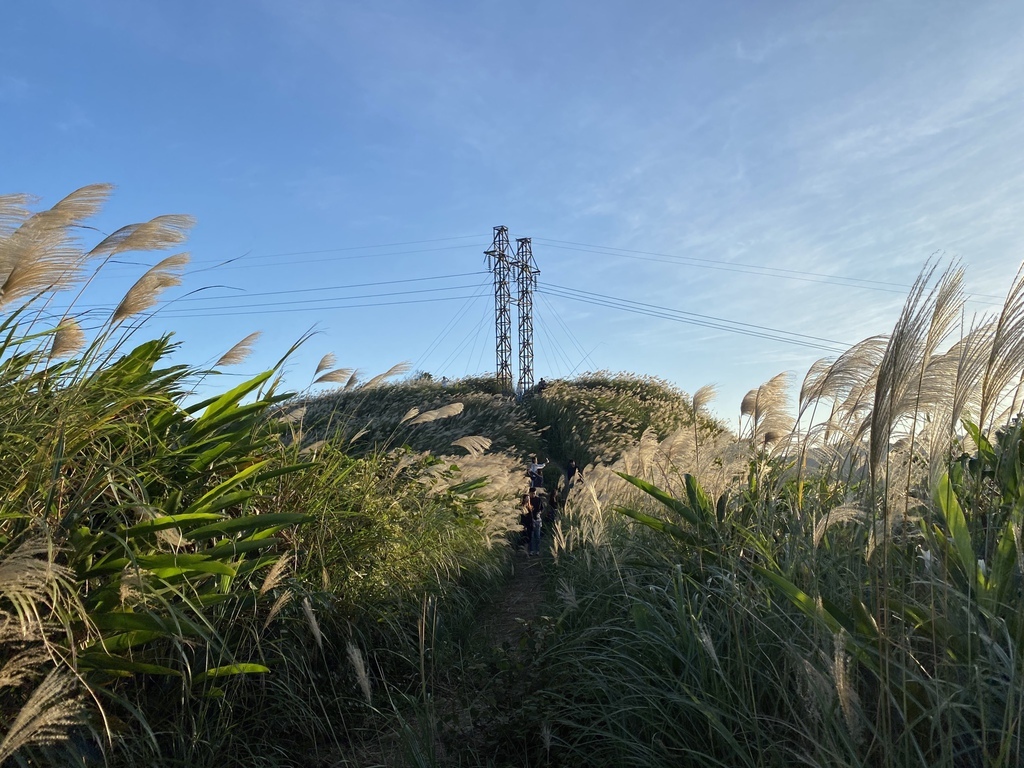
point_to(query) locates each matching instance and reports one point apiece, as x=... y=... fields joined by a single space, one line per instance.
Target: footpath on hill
x=502 y=622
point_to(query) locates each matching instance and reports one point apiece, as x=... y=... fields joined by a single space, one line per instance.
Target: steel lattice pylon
x=499 y=261
x=527 y=280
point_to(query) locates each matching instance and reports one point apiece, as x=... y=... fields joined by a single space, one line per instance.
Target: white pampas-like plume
x=703 y=396
x=327 y=361
x=68 y=339
x=337 y=376
x=473 y=444
x=157 y=234
x=444 y=412
x=395 y=370
x=143 y=294
x=42 y=254
x=239 y=352
x=50 y=712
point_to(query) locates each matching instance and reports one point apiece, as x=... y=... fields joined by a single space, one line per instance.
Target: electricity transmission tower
x=499 y=262
x=527 y=280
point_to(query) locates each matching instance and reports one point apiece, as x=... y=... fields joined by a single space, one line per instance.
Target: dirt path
x=503 y=621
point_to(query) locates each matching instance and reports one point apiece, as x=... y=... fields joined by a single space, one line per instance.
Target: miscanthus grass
x=188 y=582
x=835 y=585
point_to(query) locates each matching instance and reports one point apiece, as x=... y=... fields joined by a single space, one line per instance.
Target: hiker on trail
x=535 y=500
x=526 y=517
x=535 y=472
x=571 y=472
x=541 y=386
x=535 y=526
x=553 y=504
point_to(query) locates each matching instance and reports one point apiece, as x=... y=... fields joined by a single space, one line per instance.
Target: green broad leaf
x=228 y=670
x=124 y=641
x=229 y=400
x=263 y=476
x=207 y=567
x=213 y=598
x=248 y=523
x=123 y=621
x=209 y=456
x=699 y=501
x=163 y=566
x=114 y=664
x=985 y=449
x=211 y=496
x=234 y=548
x=668 y=500
x=963 y=549
x=659 y=525
x=1004 y=559
x=164 y=522
x=831 y=617
x=172 y=560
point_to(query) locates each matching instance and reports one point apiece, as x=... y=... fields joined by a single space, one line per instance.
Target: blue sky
x=756 y=162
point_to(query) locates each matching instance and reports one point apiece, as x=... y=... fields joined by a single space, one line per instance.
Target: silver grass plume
x=42 y=254
x=326 y=362
x=157 y=234
x=412 y=413
x=239 y=352
x=26 y=578
x=337 y=376
x=703 y=396
x=444 y=412
x=314 y=625
x=147 y=288
x=766 y=406
x=50 y=712
x=837 y=516
x=473 y=444
x=395 y=370
x=1006 y=357
x=355 y=656
x=68 y=339
x=352 y=380
x=924 y=322
x=283 y=599
x=13 y=211
x=275 y=576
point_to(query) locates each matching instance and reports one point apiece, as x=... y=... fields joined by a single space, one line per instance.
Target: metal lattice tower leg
x=527 y=280
x=499 y=258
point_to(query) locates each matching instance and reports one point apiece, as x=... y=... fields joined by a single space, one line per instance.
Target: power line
x=248 y=295
x=699 y=315
x=308 y=302
x=323 y=309
x=745 y=329
x=748 y=269
x=568 y=331
x=450 y=325
x=238 y=263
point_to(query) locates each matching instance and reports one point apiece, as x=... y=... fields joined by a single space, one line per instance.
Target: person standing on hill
x=571 y=471
x=552 y=508
x=536 y=472
x=526 y=517
x=535 y=526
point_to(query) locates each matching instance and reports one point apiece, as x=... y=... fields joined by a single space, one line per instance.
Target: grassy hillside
x=280 y=579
